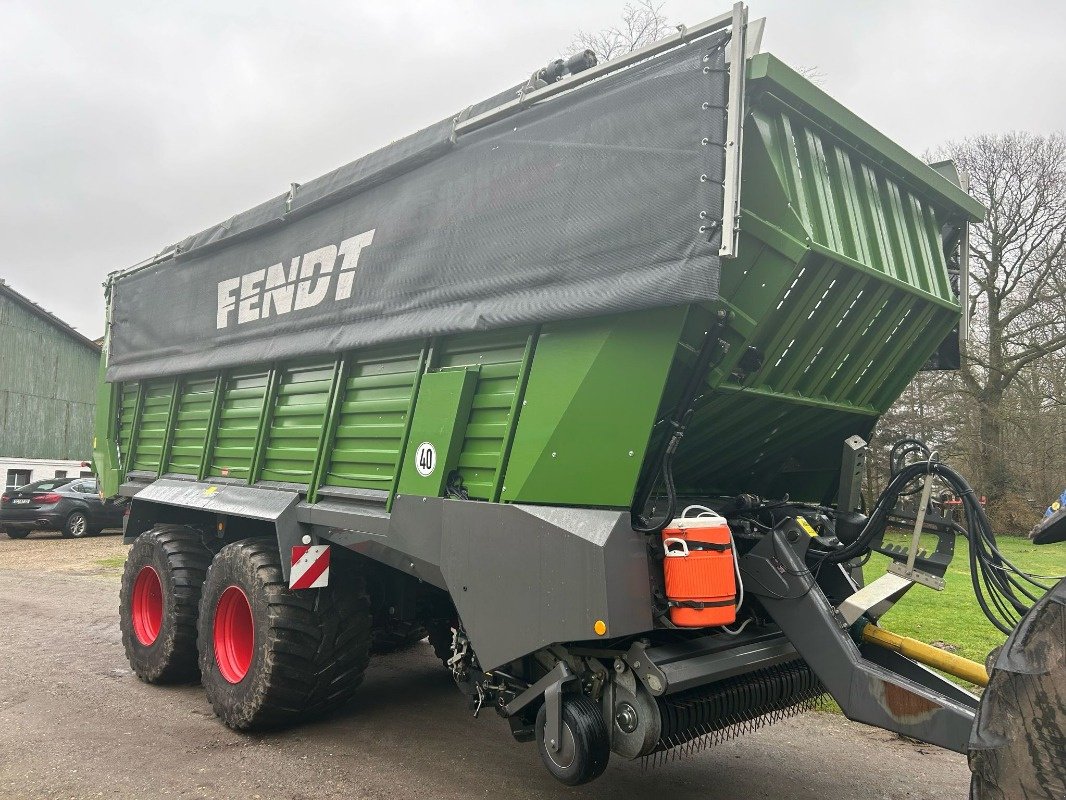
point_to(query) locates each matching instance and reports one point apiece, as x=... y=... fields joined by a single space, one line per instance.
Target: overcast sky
x=125 y=126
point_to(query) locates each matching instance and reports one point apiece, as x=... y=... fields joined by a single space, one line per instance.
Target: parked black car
x=69 y=505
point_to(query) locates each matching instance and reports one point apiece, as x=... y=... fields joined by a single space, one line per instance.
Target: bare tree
x=642 y=23
x=1018 y=268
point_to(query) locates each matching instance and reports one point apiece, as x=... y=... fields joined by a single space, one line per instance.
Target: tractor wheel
x=397 y=636
x=586 y=745
x=1018 y=741
x=159 y=603
x=270 y=655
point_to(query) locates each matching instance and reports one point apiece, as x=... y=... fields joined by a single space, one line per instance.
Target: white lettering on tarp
x=280 y=288
x=349 y=251
x=251 y=294
x=275 y=291
x=226 y=300
x=315 y=268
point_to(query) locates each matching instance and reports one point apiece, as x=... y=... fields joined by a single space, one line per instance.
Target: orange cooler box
x=701 y=584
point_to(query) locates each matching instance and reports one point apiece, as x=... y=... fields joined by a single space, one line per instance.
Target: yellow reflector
x=600 y=627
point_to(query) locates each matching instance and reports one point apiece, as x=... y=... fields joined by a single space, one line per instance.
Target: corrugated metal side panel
x=47 y=388
x=238 y=423
x=838 y=335
x=296 y=422
x=499 y=354
x=190 y=426
x=852 y=205
x=373 y=417
x=152 y=426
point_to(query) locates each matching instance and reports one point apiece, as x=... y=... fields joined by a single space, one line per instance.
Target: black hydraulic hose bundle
x=1004 y=592
x=686 y=406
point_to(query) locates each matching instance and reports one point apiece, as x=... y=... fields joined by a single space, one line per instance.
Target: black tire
x=16 y=533
x=76 y=526
x=440 y=637
x=586 y=746
x=180 y=560
x=396 y=636
x=308 y=650
x=1018 y=741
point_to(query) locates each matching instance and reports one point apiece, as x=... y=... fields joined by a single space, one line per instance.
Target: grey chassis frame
x=590 y=565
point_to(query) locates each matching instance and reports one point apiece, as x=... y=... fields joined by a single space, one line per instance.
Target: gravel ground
x=77 y=724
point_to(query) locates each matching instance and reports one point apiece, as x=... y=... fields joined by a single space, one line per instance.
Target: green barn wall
x=47 y=387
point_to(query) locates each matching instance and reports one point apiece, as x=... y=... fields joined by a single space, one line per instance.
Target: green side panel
x=190 y=427
x=106 y=421
x=437 y=430
x=589 y=407
x=297 y=420
x=126 y=414
x=500 y=358
x=152 y=425
x=375 y=405
x=238 y=422
x=840 y=293
x=768 y=74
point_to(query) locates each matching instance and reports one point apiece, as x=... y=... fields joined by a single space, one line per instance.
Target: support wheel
x=270 y=656
x=440 y=637
x=76 y=526
x=1018 y=740
x=159 y=602
x=585 y=746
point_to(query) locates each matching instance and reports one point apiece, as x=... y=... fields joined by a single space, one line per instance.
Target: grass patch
x=953 y=616
x=115 y=562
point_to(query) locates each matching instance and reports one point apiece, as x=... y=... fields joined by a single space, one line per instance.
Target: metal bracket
x=738 y=68
x=852 y=469
x=551 y=687
x=916 y=576
x=868 y=692
x=888 y=588
x=643 y=667
x=908 y=571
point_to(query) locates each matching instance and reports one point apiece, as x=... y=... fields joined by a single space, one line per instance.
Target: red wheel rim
x=147 y=606
x=234 y=634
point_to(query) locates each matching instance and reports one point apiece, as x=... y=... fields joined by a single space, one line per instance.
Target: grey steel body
x=524 y=578
x=521 y=577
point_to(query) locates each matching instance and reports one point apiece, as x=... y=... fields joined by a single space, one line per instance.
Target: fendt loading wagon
x=576 y=384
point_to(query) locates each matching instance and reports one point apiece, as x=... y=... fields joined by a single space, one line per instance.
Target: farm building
x=47 y=393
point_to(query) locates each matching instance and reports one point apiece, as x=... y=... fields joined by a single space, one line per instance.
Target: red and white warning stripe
x=310 y=566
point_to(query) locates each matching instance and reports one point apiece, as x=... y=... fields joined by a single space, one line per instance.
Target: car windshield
x=45 y=486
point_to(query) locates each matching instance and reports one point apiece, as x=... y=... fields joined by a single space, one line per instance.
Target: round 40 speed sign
x=426 y=459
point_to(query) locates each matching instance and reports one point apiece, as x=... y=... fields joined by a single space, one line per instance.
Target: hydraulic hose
x=1000 y=587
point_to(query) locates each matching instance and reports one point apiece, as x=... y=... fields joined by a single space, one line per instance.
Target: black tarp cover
x=586 y=204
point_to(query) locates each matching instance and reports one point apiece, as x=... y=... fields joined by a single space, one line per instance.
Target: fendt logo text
x=306 y=283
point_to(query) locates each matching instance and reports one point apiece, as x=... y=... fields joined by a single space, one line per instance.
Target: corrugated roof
x=47 y=316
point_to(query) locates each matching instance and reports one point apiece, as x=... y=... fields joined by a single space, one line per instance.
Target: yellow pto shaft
x=927 y=654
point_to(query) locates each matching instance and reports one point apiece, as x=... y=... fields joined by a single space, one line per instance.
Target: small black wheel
x=159 y=602
x=271 y=656
x=585 y=746
x=76 y=526
x=440 y=637
x=16 y=533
